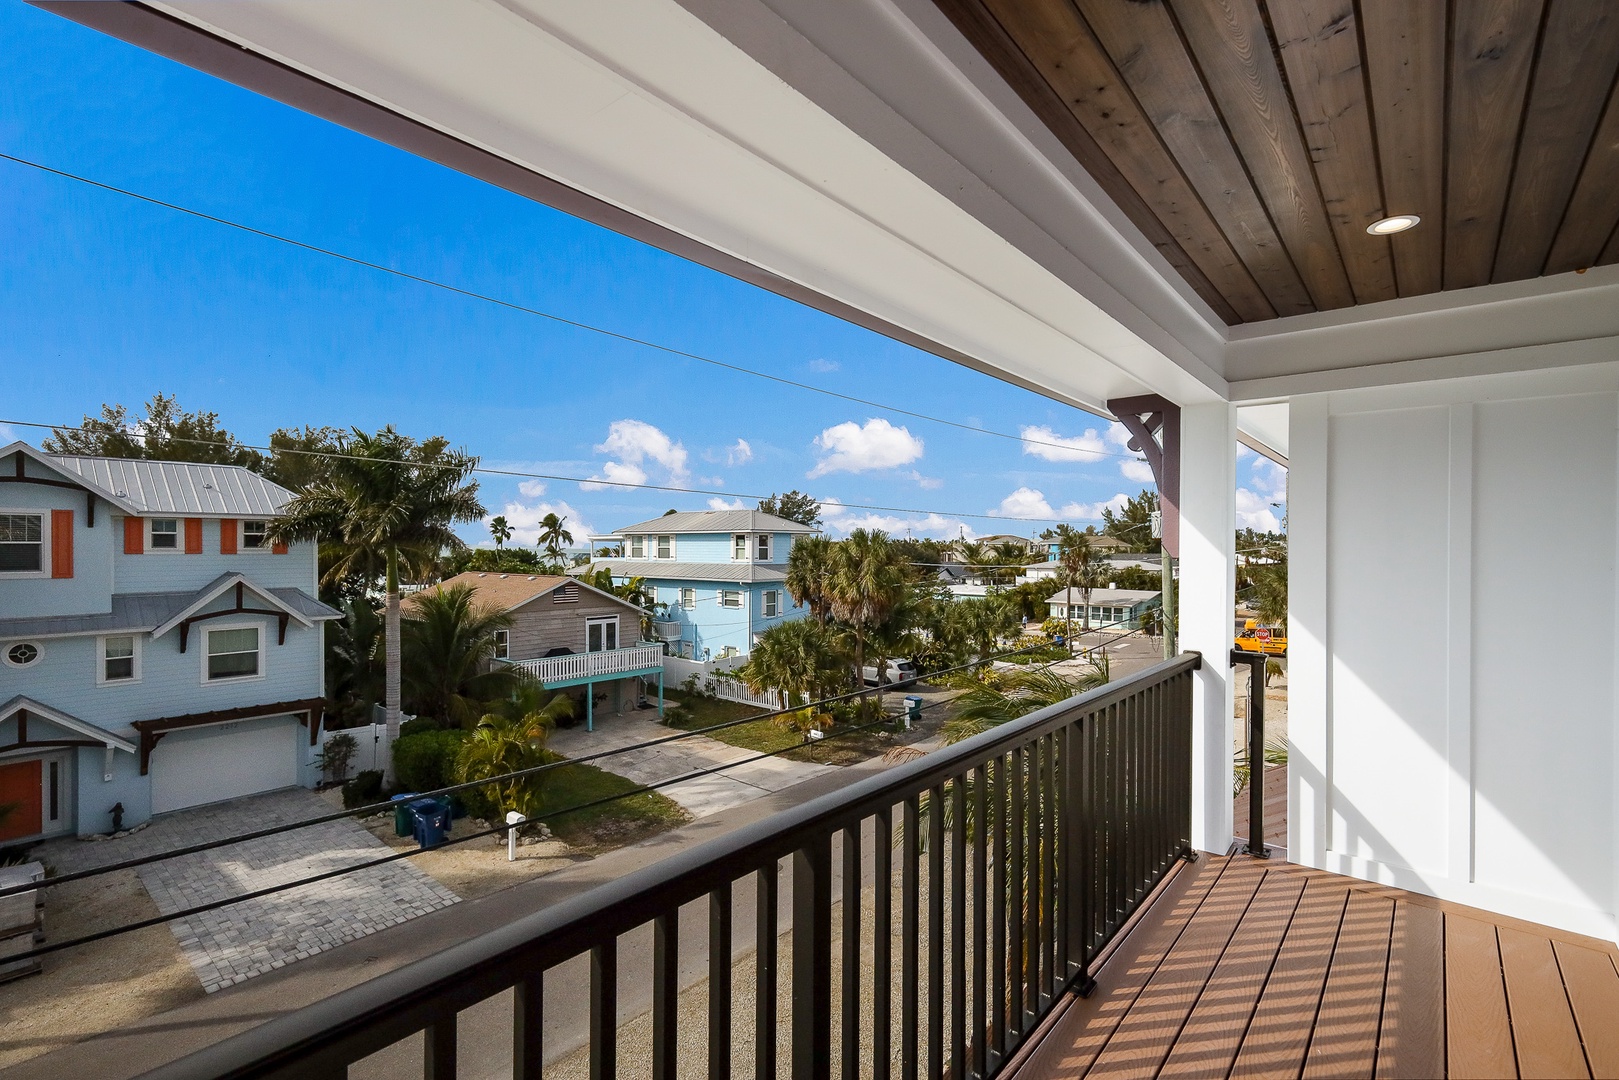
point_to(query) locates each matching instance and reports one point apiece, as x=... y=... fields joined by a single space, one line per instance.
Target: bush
x=364 y=789
x=425 y=760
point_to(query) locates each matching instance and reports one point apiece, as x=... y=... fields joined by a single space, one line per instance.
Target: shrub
x=336 y=755
x=425 y=760
x=364 y=789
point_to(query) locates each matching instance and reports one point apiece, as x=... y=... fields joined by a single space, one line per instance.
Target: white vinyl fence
x=711 y=680
x=370 y=753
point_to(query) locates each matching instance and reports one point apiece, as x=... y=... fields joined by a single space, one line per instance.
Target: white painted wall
x=1466 y=749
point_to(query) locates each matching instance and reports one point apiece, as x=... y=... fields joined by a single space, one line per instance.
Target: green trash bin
x=404 y=823
x=913 y=709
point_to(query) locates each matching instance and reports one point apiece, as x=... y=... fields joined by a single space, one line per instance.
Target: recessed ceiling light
x=1397 y=223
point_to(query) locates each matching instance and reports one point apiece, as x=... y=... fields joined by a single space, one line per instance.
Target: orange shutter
x=61 y=543
x=227 y=536
x=193 y=536
x=278 y=548
x=134 y=536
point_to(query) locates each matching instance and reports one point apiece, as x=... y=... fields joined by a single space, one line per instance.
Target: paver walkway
x=702 y=795
x=232 y=944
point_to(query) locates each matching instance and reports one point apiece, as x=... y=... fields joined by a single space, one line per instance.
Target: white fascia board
x=644 y=106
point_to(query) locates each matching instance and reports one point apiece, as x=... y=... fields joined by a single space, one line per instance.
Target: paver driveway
x=231 y=944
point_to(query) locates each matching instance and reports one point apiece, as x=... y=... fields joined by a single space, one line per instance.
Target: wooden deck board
x=1262 y=968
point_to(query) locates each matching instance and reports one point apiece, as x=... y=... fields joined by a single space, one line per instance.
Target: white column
x=1207 y=588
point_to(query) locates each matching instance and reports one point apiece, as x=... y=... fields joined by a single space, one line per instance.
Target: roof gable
x=717 y=521
x=64 y=720
x=178 y=487
x=216 y=588
x=511 y=591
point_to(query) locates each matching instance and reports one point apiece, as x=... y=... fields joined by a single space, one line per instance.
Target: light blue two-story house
x=719 y=574
x=156 y=650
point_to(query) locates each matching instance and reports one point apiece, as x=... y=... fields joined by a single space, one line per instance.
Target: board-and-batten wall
x=1453 y=640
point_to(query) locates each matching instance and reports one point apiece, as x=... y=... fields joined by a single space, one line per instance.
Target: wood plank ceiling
x=1253 y=141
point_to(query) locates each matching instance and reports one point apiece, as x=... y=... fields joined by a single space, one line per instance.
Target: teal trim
x=632 y=673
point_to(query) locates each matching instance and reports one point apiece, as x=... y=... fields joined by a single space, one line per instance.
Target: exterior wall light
x=1389 y=225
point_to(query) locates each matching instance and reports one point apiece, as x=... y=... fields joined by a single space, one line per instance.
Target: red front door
x=20 y=792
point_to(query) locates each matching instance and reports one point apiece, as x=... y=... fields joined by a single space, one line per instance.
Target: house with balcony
x=570 y=636
x=157 y=652
x=717 y=577
x=1374 y=242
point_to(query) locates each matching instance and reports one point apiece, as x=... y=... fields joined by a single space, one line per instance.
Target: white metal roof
x=180 y=487
x=1105 y=596
x=717 y=521
x=668 y=570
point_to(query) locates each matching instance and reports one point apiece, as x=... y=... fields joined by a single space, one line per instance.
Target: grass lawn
x=767 y=735
x=614 y=824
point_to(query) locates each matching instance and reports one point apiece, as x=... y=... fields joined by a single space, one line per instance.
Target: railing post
x=1256 y=751
x=812 y=960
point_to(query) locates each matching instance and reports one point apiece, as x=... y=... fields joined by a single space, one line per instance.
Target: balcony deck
x=1244 y=967
x=573 y=669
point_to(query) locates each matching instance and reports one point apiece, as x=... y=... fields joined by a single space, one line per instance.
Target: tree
x=1029 y=598
x=1007 y=697
x=354 y=678
x=794 y=506
x=554 y=536
x=500 y=530
x=1132 y=524
x=389 y=501
x=492 y=561
x=1011 y=555
x=798 y=659
x=299 y=457
x=1080 y=567
x=866 y=584
x=975 y=555
x=504 y=743
x=165 y=433
x=809 y=575
x=449 y=640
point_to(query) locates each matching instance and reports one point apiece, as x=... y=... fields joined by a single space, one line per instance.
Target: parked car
x=897 y=673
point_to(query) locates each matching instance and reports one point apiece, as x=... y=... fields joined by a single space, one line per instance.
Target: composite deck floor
x=1249 y=968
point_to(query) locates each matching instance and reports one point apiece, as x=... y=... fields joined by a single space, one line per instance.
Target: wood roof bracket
x=1154 y=424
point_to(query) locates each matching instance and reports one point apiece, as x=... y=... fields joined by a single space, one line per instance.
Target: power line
x=559 y=319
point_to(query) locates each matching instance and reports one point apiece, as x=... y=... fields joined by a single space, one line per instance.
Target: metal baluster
x=528 y=1027
x=812 y=960
x=1065 y=852
x=1132 y=844
x=1084 y=844
x=936 y=810
x=958 y=927
x=719 y=982
x=1014 y=916
x=909 y=932
x=665 y=994
x=604 y=1010
x=980 y=1034
x=1048 y=877
x=851 y=950
x=1000 y=953
x=766 y=931
x=438 y=1045
x=882 y=944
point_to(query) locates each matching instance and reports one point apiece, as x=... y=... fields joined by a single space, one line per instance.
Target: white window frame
x=763 y=547
x=636 y=547
x=44 y=570
x=602 y=620
x=264 y=654
x=241 y=538
x=39 y=654
x=101 y=660
x=739 y=547
x=731 y=592
x=657 y=550
x=770 y=604
x=179 y=536
x=688 y=598
x=503 y=644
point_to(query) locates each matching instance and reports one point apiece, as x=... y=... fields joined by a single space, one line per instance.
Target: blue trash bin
x=404 y=824
x=432 y=820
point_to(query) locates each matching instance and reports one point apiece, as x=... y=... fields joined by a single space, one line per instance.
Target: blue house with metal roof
x=718 y=576
x=156 y=651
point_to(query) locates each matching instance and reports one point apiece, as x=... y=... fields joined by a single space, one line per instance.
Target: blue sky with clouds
x=106 y=299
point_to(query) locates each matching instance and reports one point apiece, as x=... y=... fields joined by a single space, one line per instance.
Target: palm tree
x=504 y=743
x=866 y=584
x=976 y=555
x=553 y=536
x=500 y=530
x=1011 y=555
x=1082 y=568
x=449 y=640
x=1017 y=694
x=388 y=500
x=798 y=658
x=809 y=574
x=354 y=679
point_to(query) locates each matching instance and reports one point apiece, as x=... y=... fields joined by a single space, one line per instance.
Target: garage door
x=223 y=761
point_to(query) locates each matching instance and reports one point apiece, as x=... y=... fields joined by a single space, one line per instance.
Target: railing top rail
x=384 y=1009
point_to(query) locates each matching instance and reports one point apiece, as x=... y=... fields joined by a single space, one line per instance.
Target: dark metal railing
x=1255 y=843
x=1021 y=853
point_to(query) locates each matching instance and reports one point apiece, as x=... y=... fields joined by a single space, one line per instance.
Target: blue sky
x=106 y=299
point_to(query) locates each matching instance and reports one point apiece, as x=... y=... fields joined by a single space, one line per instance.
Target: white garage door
x=223 y=761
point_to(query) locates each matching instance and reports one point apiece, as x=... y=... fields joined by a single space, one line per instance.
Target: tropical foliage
x=794 y=506
x=354 y=677
x=448 y=642
x=999 y=697
x=511 y=741
x=802 y=660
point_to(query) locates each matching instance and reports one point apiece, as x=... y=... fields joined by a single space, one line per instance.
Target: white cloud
x=1043 y=442
x=635 y=443
x=1136 y=469
x=1093 y=511
x=926 y=483
x=840 y=519
x=533 y=489
x=876 y=444
x=1025 y=503
x=1255 y=512
x=7 y=435
x=1269 y=477
x=824 y=366
x=717 y=503
x=1118 y=434
x=740 y=454
x=525 y=521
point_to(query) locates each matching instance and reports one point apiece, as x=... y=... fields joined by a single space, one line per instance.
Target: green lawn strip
x=622 y=821
x=767 y=736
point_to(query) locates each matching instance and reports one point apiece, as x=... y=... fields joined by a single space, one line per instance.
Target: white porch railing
x=590 y=665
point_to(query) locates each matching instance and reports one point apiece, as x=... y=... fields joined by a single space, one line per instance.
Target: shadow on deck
x=1244 y=967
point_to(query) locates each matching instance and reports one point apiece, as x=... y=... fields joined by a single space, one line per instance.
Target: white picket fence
x=711 y=680
x=371 y=752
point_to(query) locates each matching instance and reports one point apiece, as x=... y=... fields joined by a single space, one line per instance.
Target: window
x=637 y=547
x=503 y=644
x=232 y=653
x=120 y=659
x=666 y=547
x=764 y=547
x=22 y=543
x=253 y=535
x=23 y=654
x=772 y=604
x=688 y=598
x=730 y=598
x=163 y=534
x=739 y=546
x=601 y=635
